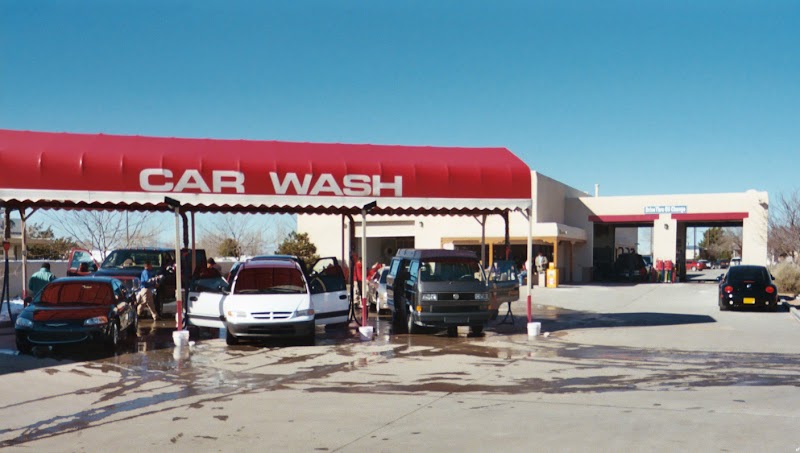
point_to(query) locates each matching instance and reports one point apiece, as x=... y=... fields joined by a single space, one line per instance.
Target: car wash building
x=580 y=233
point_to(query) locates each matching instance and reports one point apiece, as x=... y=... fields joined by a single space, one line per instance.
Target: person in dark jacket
x=40 y=279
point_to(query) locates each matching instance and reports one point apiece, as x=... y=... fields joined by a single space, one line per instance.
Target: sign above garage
x=665 y=209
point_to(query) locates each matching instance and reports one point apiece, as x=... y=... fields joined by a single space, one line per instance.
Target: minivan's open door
x=81 y=263
x=204 y=306
x=328 y=291
x=503 y=284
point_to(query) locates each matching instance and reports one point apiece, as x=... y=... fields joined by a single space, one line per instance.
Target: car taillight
x=728 y=289
x=770 y=289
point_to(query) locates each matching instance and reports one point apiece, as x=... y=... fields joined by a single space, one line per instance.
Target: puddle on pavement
x=155 y=375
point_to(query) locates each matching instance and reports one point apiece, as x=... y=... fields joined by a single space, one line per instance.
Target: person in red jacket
x=669 y=266
x=660 y=271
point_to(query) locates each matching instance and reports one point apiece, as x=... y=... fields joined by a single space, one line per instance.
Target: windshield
x=76 y=292
x=133 y=259
x=269 y=281
x=451 y=269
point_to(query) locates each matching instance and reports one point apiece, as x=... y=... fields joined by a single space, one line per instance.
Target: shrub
x=787 y=278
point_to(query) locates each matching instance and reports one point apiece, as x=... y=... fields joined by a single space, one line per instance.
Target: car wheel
x=452 y=331
x=723 y=307
x=24 y=346
x=113 y=336
x=475 y=330
x=694 y=268
x=411 y=327
x=230 y=338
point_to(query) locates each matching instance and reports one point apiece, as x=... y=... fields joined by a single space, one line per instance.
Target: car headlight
x=481 y=296
x=430 y=297
x=96 y=321
x=237 y=314
x=23 y=323
x=304 y=312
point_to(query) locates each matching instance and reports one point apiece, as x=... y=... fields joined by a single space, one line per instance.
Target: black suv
x=437 y=288
x=127 y=265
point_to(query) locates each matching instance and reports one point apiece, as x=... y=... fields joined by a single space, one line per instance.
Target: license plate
x=749 y=300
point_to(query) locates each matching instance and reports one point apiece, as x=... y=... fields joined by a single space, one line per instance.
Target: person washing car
x=148 y=280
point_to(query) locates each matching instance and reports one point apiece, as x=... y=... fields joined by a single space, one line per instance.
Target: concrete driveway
x=624 y=367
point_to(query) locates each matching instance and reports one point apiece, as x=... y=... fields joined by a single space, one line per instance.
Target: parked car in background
x=720 y=264
x=696 y=265
x=703 y=264
x=271 y=297
x=748 y=286
x=376 y=294
x=735 y=261
x=77 y=310
x=631 y=267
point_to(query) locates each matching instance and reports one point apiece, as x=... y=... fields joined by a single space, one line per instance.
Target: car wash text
x=229 y=181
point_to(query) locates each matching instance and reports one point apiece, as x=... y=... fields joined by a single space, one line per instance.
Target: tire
x=452 y=331
x=113 y=340
x=694 y=268
x=411 y=327
x=475 y=330
x=24 y=346
x=230 y=339
x=723 y=307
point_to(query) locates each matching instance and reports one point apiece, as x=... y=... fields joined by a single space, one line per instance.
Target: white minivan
x=271 y=297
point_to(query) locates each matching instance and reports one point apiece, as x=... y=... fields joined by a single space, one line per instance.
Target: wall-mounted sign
x=665 y=210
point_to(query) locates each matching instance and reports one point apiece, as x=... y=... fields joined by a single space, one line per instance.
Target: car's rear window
x=96 y=293
x=743 y=274
x=269 y=280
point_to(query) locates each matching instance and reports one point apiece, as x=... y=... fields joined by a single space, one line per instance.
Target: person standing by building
x=669 y=267
x=144 y=298
x=40 y=279
x=541 y=263
x=660 y=270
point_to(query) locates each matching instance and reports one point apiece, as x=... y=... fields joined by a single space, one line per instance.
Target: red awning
x=63 y=170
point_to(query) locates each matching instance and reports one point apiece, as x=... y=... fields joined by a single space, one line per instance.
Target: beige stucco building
x=579 y=232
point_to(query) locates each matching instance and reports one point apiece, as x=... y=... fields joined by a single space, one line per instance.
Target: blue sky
x=640 y=97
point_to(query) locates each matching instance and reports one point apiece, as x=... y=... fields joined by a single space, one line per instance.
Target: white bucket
x=534 y=328
x=181 y=338
x=365 y=333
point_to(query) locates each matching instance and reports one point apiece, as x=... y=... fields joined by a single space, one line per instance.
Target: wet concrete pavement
x=632 y=367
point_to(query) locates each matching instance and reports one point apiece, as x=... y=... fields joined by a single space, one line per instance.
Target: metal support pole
x=364 y=310
x=178 y=280
x=194 y=249
x=530 y=262
x=22 y=218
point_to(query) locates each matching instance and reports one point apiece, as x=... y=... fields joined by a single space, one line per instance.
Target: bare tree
x=108 y=230
x=784 y=226
x=732 y=240
x=252 y=234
